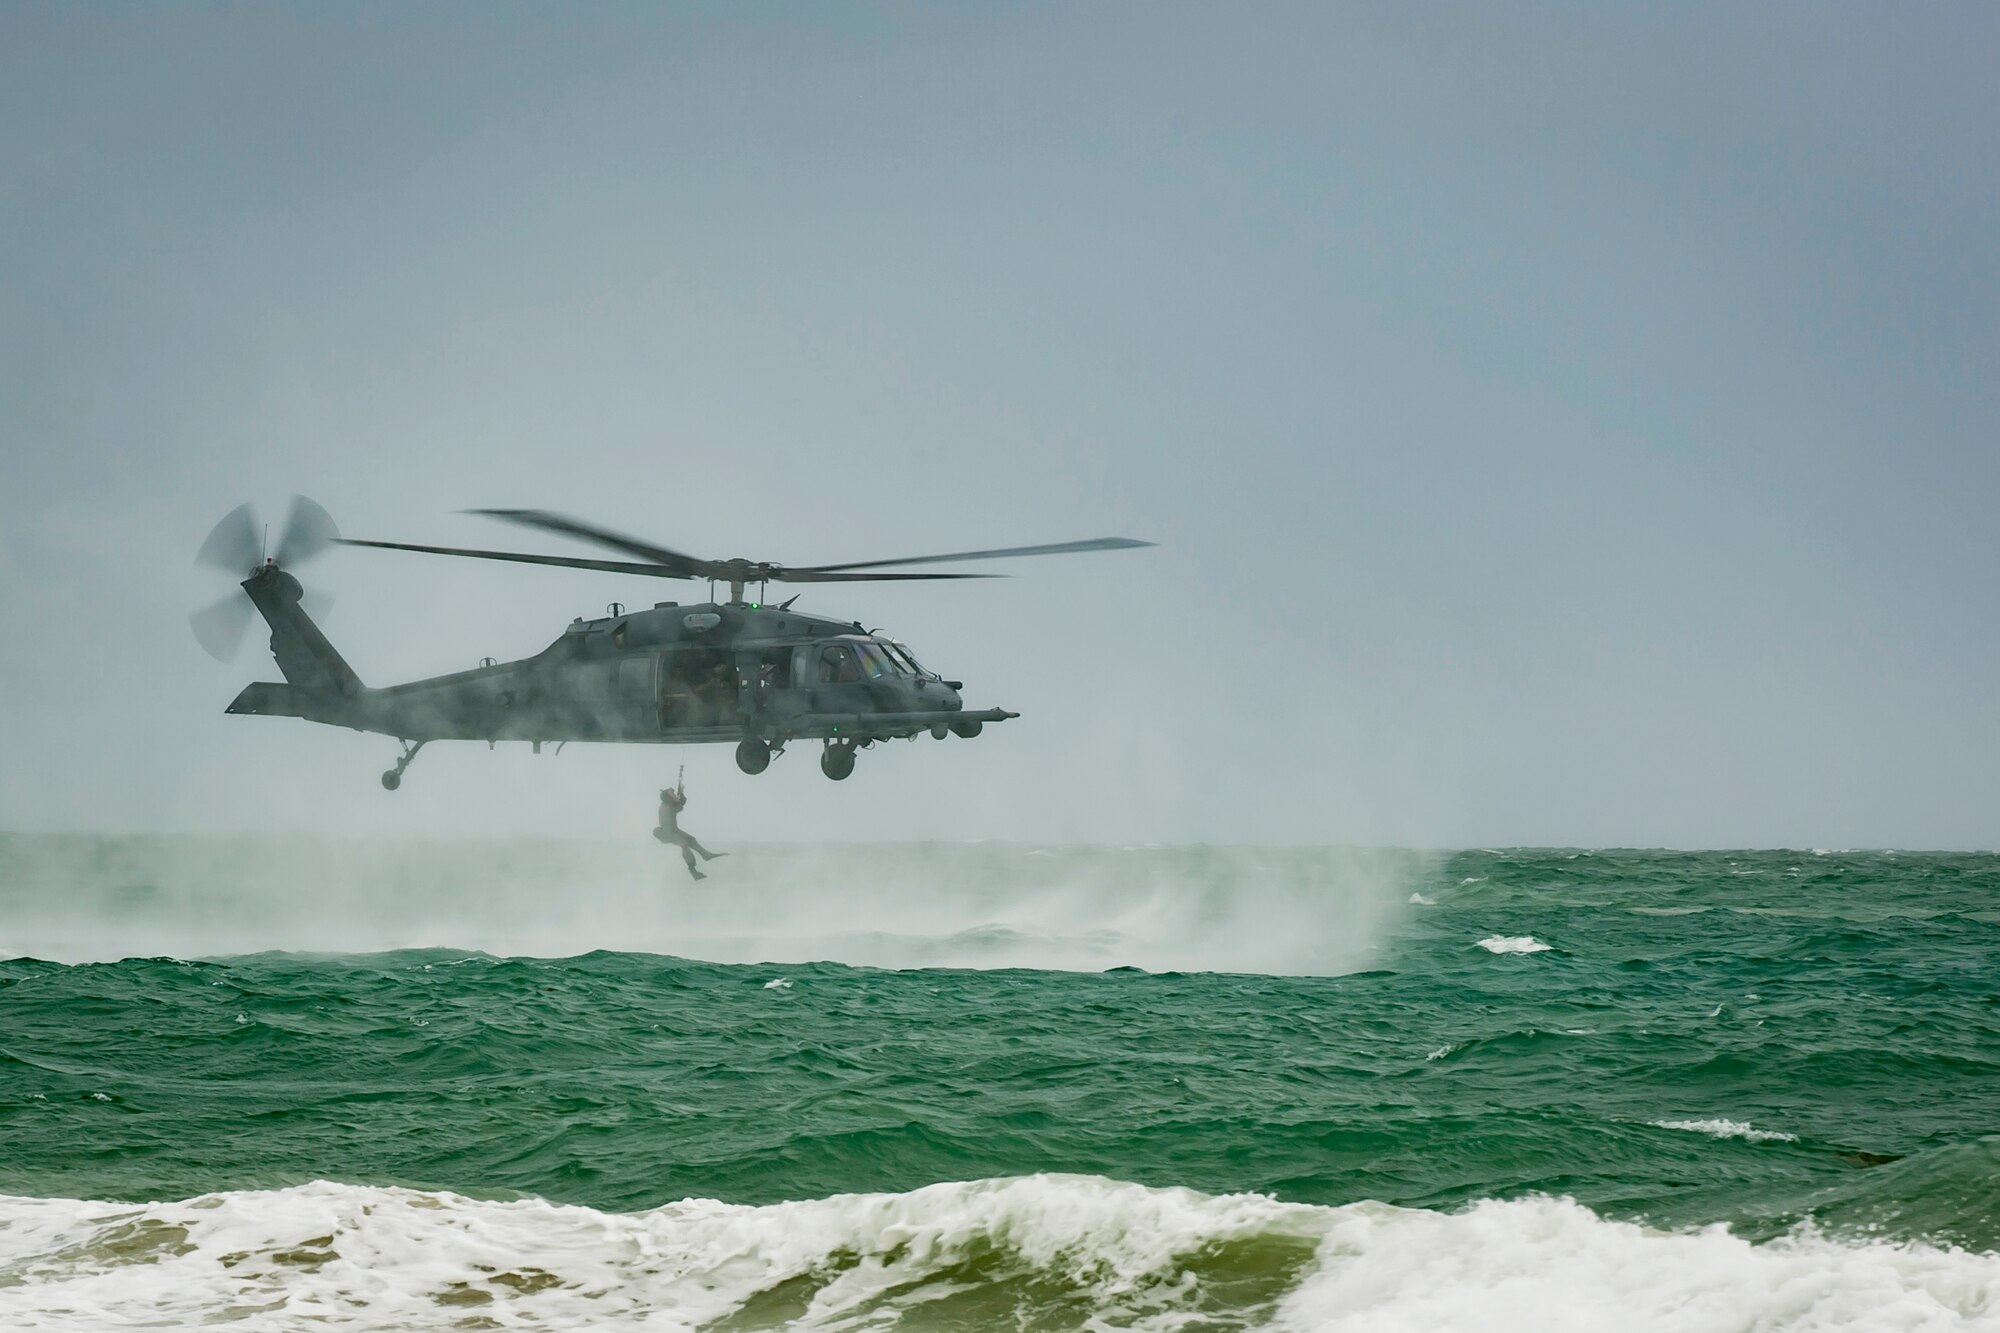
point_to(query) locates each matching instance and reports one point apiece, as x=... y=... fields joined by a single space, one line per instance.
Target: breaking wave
x=1046 y=1251
x=1729 y=1129
x=1513 y=944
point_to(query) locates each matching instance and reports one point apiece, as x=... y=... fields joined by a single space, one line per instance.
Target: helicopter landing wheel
x=393 y=778
x=837 y=761
x=968 y=729
x=753 y=756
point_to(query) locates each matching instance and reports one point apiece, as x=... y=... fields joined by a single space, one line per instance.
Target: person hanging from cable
x=673 y=800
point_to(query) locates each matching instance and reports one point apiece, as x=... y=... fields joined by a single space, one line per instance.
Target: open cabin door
x=698 y=687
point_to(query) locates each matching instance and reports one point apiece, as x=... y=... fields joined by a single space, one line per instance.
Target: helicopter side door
x=697 y=688
x=635 y=692
x=772 y=689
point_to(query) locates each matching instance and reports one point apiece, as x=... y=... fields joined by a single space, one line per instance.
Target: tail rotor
x=236 y=546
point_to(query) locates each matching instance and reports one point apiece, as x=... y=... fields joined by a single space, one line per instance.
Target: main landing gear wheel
x=837 y=760
x=968 y=729
x=753 y=755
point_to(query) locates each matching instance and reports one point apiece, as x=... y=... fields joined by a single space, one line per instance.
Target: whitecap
x=1728 y=1129
x=1422 y=901
x=1101 y=1253
x=1513 y=944
x=778 y=983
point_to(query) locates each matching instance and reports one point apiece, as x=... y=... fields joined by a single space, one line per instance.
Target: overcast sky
x=1561 y=424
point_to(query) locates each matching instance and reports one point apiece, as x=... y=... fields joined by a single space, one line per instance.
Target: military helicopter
x=759 y=675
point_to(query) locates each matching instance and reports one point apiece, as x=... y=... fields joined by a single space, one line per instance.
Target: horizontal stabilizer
x=269 y=699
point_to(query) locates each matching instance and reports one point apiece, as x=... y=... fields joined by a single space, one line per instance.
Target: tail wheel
x=753 y=755
x=837 y=761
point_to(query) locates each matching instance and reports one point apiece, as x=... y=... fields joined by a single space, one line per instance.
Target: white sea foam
x=1419 y=900
x=1729 y=1129
x=1047 y=1251
x=1294 y=911
x=1513 y=944
x=778 y=983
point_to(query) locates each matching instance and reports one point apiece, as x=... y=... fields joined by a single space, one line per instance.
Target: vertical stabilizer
x=303 y=653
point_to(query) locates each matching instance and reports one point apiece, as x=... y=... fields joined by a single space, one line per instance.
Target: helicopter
x=742 y=670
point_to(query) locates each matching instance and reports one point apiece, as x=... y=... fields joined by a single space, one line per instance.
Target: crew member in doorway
x=673 y=800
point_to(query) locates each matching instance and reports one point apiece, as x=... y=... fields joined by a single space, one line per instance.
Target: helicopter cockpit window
x=875 y=663
x=906 y=658
x=837 y=665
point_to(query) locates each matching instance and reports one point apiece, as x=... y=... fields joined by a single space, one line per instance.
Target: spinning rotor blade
x=237 y=545
x=656 y=571
x=234 y=545
x=309 y=530
x=682 y=565
x=220 y=627
x=566 y=562
x=841 y=576
x=665 y=563
x=316 y=604
x=1053 y=548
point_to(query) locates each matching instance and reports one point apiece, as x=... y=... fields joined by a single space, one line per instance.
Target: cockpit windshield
x=876 y=663
x=901 y=653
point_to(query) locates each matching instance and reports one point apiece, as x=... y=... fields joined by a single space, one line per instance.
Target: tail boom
x=304 y=655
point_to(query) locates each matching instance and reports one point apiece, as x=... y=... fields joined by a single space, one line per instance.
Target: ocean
x=279 y=1083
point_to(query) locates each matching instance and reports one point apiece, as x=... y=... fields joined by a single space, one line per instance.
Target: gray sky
x=1562 y=424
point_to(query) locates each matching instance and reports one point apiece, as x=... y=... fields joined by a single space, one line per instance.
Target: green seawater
x=1759 y=1039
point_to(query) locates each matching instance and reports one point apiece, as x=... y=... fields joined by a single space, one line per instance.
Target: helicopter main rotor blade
x=234 y=545
x=219 y=627
x=309 y=530
x=842 y=576
x=565 y=562
x=655 y=571
x=1053 y=548
x=689 y=566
